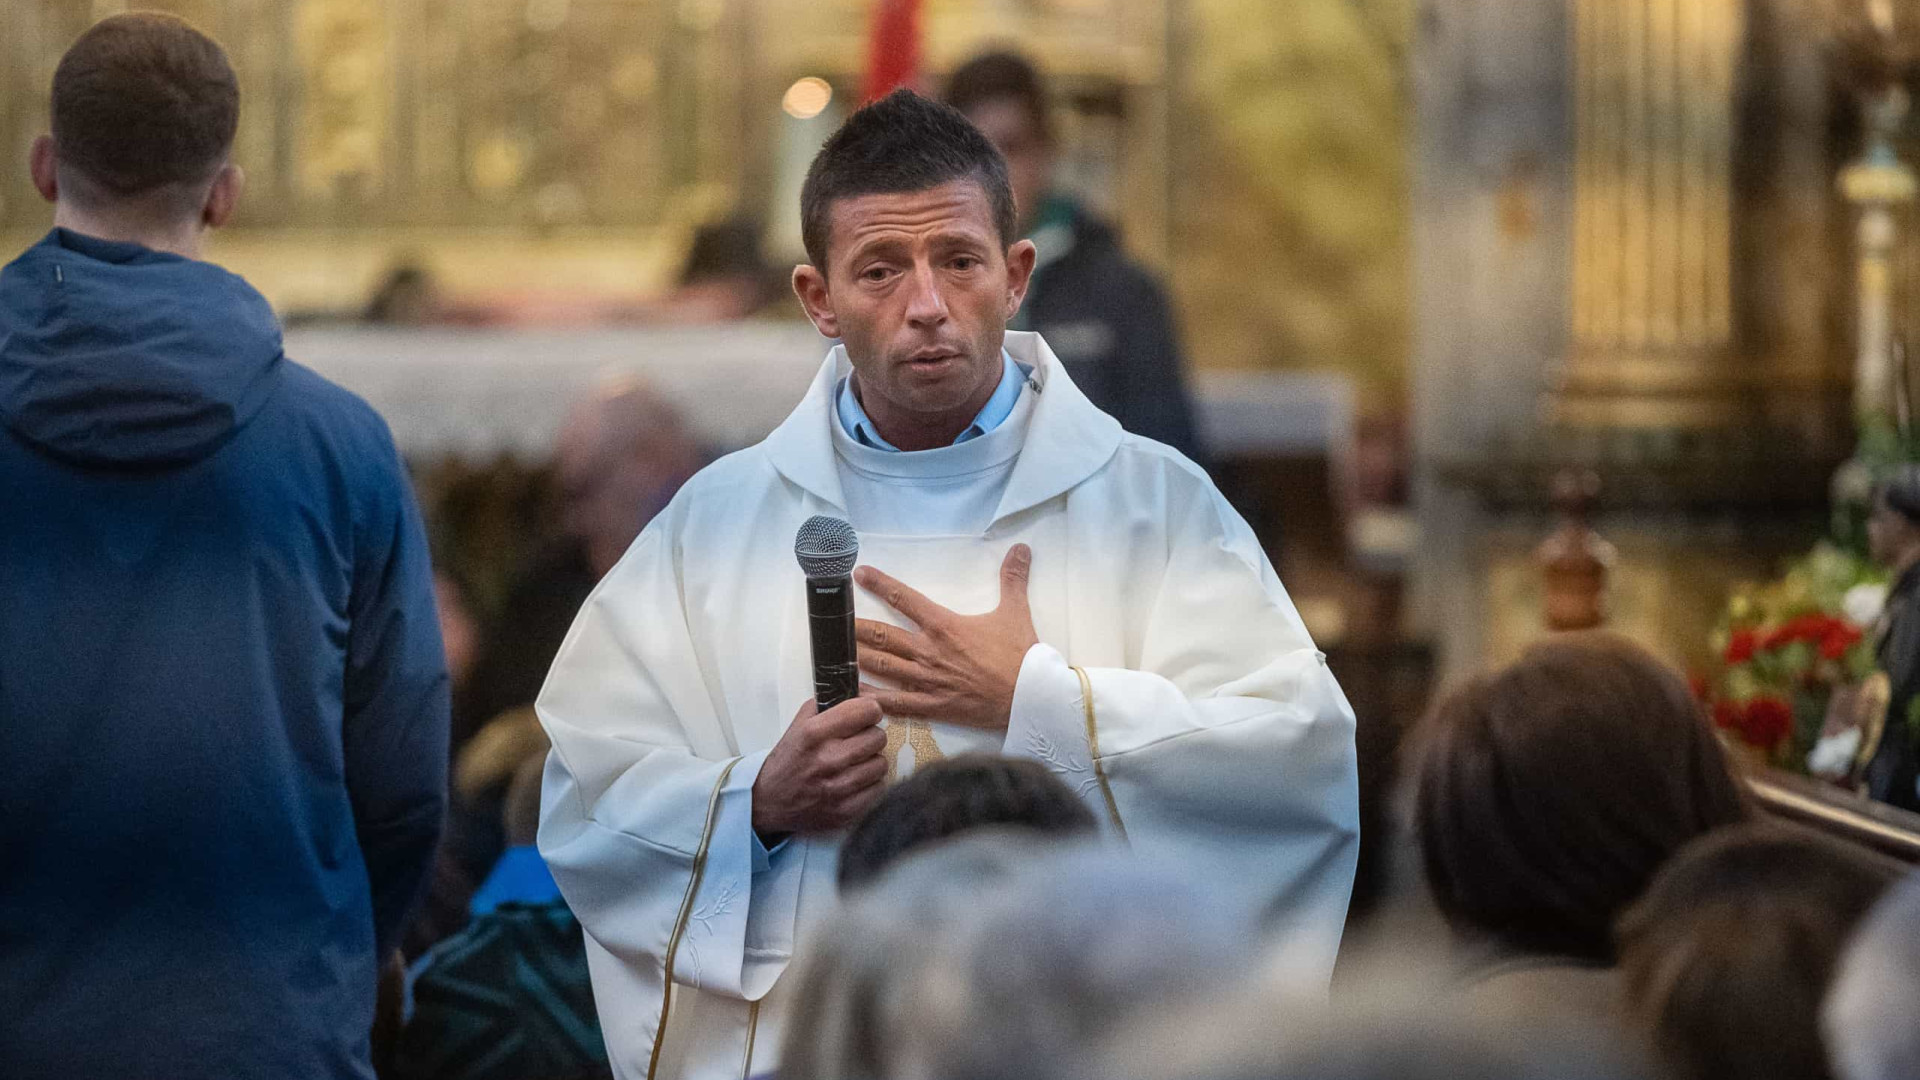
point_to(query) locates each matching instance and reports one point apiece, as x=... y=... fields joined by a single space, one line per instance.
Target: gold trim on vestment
x=1093 y=752
x=686 y=913
x=753 y=1027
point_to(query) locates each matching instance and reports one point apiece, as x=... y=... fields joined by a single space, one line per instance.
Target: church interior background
x=1498 y=310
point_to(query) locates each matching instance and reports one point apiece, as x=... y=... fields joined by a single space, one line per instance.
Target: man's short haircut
x=143 y=101
x=957 y=795
x=1001 y=76
x=900 y=144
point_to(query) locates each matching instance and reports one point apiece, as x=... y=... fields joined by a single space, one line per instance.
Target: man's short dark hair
x=901 y=143
x=143 y=101
x=957 y=795
x=1001 y=76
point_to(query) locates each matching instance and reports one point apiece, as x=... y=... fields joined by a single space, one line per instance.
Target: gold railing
x=1837 y=813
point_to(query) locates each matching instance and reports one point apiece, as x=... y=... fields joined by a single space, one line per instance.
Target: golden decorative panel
x=1254 y=153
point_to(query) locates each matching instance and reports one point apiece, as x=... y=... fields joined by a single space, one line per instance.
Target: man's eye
x=965 y=262
x=875 y=273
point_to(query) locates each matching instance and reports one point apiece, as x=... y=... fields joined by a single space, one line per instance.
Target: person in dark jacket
x=1893 y=533
x=1104 y=315
x=223 y=704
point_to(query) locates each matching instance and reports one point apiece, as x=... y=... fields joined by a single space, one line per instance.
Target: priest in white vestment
x=1034 y=581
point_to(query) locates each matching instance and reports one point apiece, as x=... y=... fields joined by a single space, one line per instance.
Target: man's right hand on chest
x=823 y=773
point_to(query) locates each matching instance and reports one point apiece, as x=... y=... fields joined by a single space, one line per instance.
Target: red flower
x=1726 y=715
x=1741 y=646
x=1838 y=639
x=1767 y=721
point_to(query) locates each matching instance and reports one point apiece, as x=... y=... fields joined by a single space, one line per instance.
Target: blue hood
x=115 y=355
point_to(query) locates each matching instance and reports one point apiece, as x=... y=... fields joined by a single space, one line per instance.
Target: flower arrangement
x=1789 y=646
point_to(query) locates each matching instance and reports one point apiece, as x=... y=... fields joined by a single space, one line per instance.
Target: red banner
x=893 y=47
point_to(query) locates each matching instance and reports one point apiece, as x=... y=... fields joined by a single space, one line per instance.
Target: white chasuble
x=1174 y=689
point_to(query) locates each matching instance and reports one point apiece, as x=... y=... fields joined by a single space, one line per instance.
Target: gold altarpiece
x=1254 y=153
x=555 y=145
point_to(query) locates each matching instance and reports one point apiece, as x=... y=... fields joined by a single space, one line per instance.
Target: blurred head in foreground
x=1388 y=1036
x=996 y=957
x=954 y=796
x=1872 y=1013
x=1728 y=955
x=1546 y=796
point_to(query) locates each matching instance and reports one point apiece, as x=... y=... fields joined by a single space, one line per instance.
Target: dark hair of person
x=143 y=101
x=957 y=795
x=1546 y=796
x=1728 y=956
x=724 y=249
x=1001 y=76
x=902 y=143
x=1901 y=492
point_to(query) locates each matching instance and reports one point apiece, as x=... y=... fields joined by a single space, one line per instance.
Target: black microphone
x=827 y=548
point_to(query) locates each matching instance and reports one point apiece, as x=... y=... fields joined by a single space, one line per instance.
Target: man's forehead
x=957 y=205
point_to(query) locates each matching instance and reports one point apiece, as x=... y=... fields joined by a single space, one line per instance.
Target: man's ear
x=1020 y=259
x=810 y=285
x=44 y=166
x=224 y=196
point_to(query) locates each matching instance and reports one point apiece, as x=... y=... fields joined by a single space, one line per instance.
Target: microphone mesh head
x=826 y=547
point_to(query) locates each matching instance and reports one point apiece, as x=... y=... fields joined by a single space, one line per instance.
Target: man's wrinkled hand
x=825 y=771
x=956 y=668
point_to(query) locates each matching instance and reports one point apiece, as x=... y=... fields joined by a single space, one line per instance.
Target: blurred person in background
x=224 y=703
x=1106 y=317
x=725 y=276
x=622 y=454
x=955 y=796
x=1893 y=535
x=1545 y=797
x=1871 y=1018
x=1726 y=958
x=508 y=997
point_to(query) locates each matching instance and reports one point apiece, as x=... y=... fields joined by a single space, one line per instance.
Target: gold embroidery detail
x=686 y=912
x=1093 y=752
x=917 y=734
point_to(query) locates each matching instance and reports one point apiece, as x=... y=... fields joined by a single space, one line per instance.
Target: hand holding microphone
x=827 y=768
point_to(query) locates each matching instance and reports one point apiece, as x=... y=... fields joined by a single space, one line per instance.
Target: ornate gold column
x=1652 y=304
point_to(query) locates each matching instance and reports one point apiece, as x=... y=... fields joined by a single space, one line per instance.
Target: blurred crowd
x=1586 y=891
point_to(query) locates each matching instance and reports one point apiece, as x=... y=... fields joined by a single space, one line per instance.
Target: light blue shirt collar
x=856 y=423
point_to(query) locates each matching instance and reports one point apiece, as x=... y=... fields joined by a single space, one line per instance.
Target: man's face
x=1008 y=124
x=919 y=289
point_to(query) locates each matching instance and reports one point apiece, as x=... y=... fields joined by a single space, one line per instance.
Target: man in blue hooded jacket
x=223 y=705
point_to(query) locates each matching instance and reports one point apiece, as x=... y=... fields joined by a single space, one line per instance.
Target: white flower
x=1832 y=757
x=1863 y=604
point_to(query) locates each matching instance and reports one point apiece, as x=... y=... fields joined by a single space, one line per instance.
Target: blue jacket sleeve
x=396 y=717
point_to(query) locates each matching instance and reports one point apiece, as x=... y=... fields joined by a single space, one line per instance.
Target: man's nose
x=925 y=306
